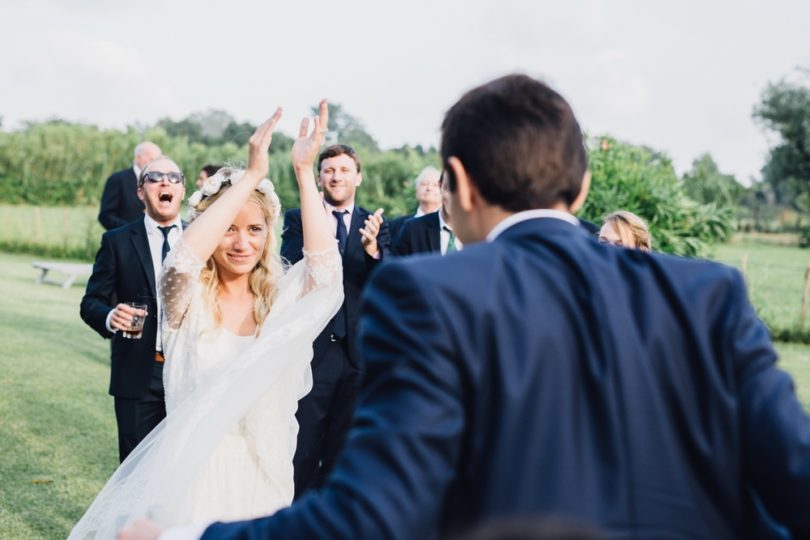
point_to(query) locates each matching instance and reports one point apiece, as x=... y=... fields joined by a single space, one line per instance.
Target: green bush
x=60 y=164
x=643 y=181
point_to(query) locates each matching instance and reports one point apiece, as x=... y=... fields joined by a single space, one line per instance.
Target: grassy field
x=57 y=435
x=58 y=441
x=775 y=277
x=51 y=231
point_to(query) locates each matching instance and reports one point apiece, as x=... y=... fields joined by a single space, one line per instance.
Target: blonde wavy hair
x=631 y=229
x=264 y=277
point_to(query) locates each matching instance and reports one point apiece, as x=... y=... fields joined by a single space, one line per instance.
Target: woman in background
x=626 y=229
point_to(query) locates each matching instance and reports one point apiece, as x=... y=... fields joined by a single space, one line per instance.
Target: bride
x=238 y=335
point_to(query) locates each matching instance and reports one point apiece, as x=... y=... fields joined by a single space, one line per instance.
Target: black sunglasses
x=156 y=176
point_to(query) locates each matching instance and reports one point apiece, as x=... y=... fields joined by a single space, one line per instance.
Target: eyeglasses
x=156 y=176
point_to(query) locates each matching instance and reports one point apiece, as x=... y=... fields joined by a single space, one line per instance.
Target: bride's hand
x=305 y=149
x=259 y=144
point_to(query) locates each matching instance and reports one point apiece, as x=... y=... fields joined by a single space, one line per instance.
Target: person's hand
x=370 y=230
x=259 y=144
x=123 y=315
x=140 y=529
x=305 y=149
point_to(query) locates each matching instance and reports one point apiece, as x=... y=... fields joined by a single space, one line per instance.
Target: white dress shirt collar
x=152 y=225
x=330 y=208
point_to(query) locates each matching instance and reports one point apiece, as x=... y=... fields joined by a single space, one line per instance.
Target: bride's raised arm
x=318 y=234
x=204 y=234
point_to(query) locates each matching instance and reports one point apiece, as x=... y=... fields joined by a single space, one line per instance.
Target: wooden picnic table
x=73 y=271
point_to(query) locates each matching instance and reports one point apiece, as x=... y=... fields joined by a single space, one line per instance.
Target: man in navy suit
x=430 y=233
x=120 y=203
x=324 y=415
x=427 y=192
x=539 y=373
x=126 y=269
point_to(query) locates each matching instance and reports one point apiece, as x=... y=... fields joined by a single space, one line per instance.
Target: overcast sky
x=681 y=77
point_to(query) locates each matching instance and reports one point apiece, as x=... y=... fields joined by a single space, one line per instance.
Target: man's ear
x=465 y=189
x=583 y=193
x=359 y=179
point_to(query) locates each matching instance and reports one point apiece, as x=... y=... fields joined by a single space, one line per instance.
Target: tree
x=213 y=123
x=183 y=128
x=240 y=133
x=705 y=183
x=349 y=129
x=784 y=109
x=643 y=181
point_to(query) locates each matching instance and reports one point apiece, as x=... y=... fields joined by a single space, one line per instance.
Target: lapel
x=141 y=244
x=433 y=232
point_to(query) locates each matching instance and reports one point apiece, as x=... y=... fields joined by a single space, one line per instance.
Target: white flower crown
x=228 y=177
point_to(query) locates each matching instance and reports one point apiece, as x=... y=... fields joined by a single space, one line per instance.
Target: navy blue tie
x=340 y=231
x=165 y=250
x=339 y=326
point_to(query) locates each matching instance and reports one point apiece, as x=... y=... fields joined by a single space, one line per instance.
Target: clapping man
x=126 y=269
x=325 y=413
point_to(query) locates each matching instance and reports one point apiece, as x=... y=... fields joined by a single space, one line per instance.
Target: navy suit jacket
x=419 y=235
x=395 y=225
x=119 y=201
x=123 y=272
x=544 y=373
x=357 y=266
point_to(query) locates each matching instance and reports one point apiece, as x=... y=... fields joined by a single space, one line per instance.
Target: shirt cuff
x=184 y=532
x=107 y=322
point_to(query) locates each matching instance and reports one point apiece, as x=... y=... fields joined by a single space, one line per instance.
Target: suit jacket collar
x=141 y=244
x=540 y=225
x=546 y=213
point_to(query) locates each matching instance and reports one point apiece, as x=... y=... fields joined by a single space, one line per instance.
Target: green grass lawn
x=58 y=442
x=57 y=434
x=775 y=277
x=52 y=231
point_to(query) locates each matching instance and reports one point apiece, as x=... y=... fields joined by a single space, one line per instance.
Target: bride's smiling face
x=243 y=244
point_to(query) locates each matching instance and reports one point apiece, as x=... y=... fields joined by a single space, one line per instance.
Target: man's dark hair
x=518 y=141
x=211 y=170
x=338 y=150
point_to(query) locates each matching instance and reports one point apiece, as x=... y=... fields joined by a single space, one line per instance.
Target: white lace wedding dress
x=225 y=449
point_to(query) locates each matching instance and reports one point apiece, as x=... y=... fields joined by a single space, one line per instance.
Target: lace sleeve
x=180 y=275
x=323 y=268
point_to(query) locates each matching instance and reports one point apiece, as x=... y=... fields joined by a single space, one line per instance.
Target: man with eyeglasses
x=119 y=201
x=126 y=269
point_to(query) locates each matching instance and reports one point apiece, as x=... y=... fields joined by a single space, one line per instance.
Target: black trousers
x=137 y=417
x=324 y=416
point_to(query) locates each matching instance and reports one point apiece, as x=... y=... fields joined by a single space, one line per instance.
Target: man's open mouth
x=165 y=196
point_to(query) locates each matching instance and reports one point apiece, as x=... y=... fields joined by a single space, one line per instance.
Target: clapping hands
x=370 y=230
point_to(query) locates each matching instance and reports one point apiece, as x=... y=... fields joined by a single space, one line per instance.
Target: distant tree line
x=61 y=163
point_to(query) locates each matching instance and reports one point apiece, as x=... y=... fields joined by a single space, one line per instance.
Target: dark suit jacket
x=419 y=235
x=119 y=202
x=357 y=266
x=395 y=226
x=544 y=373
x=123 y=272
